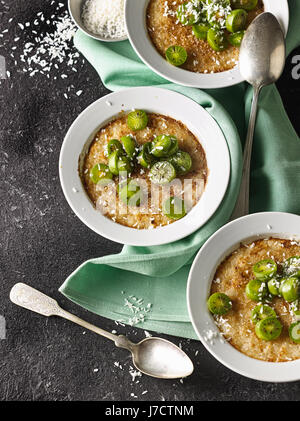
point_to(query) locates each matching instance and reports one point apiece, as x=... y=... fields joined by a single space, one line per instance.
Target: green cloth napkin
x=157 y=275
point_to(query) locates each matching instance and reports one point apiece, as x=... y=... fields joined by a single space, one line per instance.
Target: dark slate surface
x=42 y=242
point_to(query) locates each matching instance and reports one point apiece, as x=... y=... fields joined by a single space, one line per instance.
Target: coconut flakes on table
x=137 y=308
x=133 y=395
x=104 y=17
x=147 y=334
x=134 y=373
x=46 y=47
x=117 y=364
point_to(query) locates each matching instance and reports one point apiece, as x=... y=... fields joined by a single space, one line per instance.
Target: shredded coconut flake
x=46 y=44
x=104 y=17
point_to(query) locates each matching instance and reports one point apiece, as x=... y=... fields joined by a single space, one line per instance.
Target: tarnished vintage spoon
x=155 y=357
x=262 y=58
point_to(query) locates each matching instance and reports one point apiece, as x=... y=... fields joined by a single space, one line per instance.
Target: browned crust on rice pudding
x=231 y=278
x=149 y=214
x=164 y=32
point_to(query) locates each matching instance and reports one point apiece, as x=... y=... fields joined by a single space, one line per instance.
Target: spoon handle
x=25 y=296
x=242 y=203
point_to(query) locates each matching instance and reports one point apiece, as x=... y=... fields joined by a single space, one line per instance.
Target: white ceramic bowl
x=135 y=16
x=161 y=101
x=213 y=252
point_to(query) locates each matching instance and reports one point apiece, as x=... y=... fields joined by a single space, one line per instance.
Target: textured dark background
x=42 y=242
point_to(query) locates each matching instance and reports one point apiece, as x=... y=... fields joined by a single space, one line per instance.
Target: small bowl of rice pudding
x=144 y=166
x=243 y=296
x=102 y=20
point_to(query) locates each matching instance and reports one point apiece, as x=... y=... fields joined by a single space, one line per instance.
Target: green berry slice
x=176 y=55
x=114 y=145
x=145 y=158
x=265 y=269
x=244 y=4
x=290 y=289
x=274 y=286
x=291 y=266
x=174 y=146
x=200 y=31
x=262 y=311
x=161 y=146
x=174 y=208
x=129 y=145
x=219 y=303
x=256 y=290
x=187 y=13
x=182 y=162
x=294 y=332
x=216 y=39
x=162 y=172
x=113 y=162
x=268 y=329
x=236 y=38
x=119 y=163
x=124 y=164
x=100 y=174
x=137 y=120
x=131 y=193
x=236 y=20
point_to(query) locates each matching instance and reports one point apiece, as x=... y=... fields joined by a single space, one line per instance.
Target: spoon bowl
x=160 y=358
x=262 y=53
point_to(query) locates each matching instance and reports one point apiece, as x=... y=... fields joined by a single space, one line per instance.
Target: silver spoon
x=262 y=58
x=155 y=357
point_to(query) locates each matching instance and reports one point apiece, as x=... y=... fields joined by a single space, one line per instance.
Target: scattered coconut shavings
x=293 y=307
x=133 y=395
x=46 y=44
x=209 y=336
x=134 y=373
x=137 y=308
x=221 y=321
x=117 y=364
x=105 y=17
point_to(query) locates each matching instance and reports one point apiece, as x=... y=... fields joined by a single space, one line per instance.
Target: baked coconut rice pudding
x=255 y=298
x=144 y=170
x=201 y=36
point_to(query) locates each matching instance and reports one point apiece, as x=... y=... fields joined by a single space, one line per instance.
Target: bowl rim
x=97 y=37
x=162 y=101
x=135 y=11
x=222 y=243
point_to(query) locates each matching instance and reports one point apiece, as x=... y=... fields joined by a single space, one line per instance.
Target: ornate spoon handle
x=242 y=203
x=25 y=296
